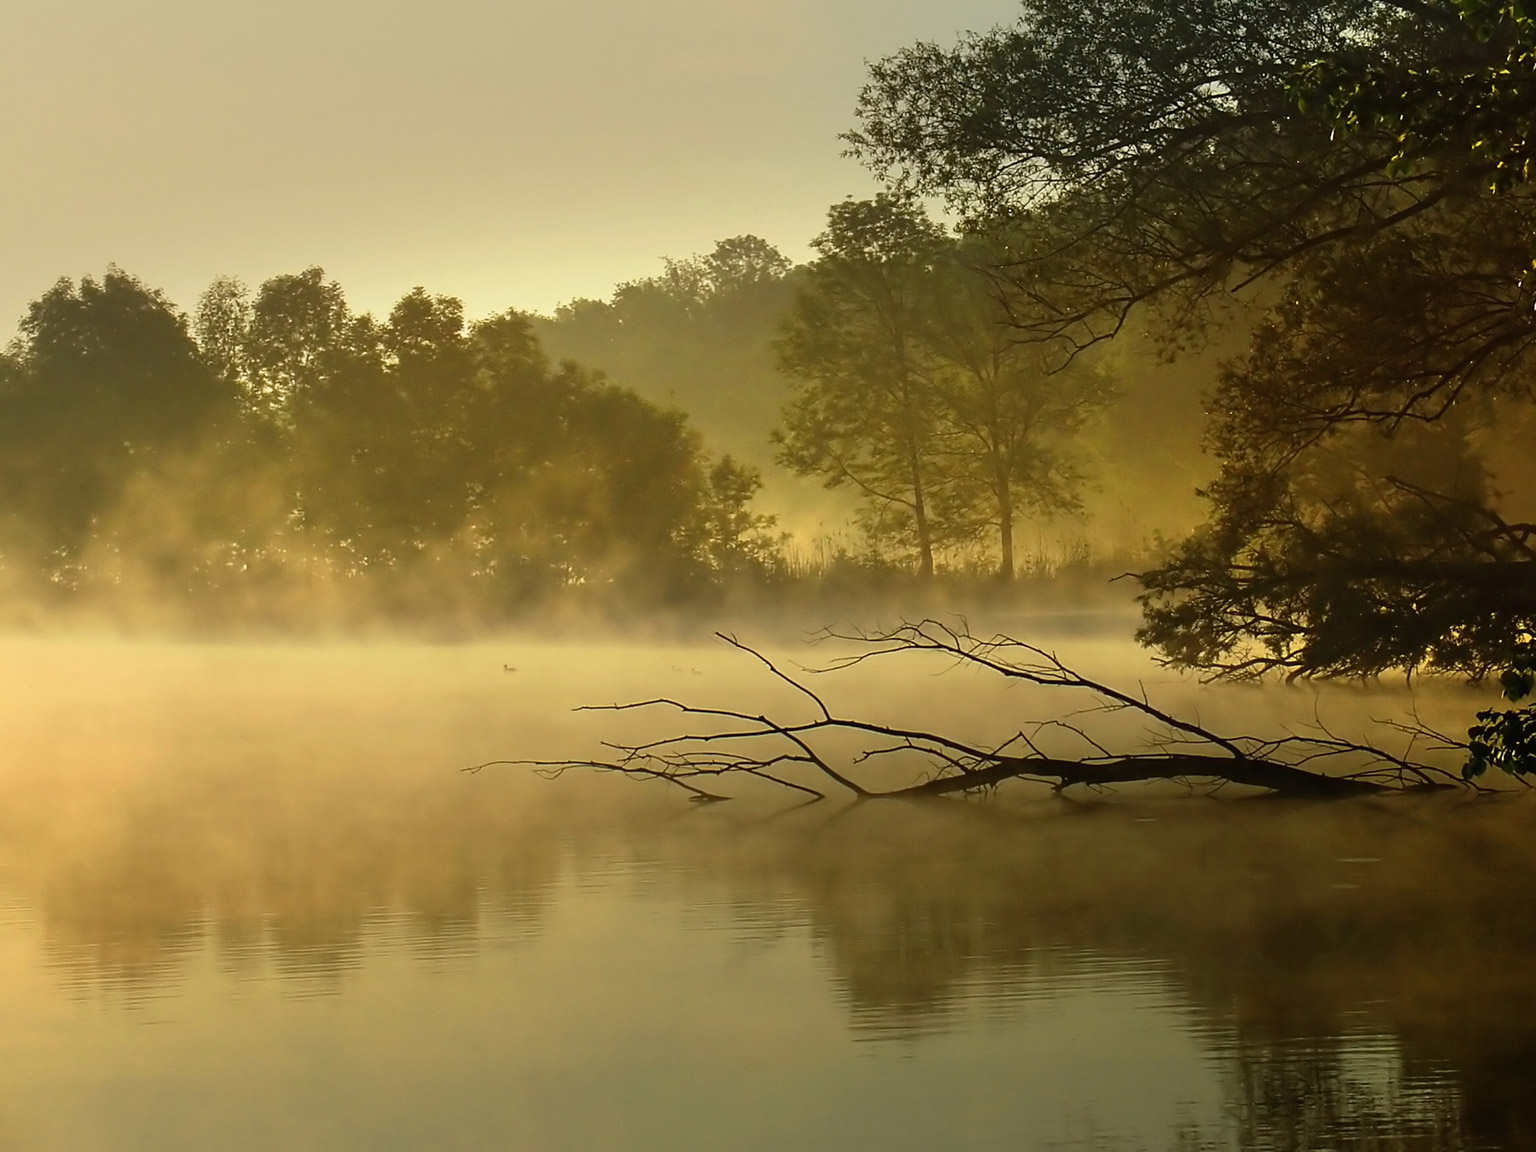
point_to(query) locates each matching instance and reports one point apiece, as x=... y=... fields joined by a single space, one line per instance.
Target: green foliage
x=1367 y=552
x=1506 y=738
x=1518 y=680
x=734 y=540
x=1146 y=156
x=300 y=334
x=1073 y=93
x=221 y=327
x=1011 y=414
x=707 y=333
x=438 y=439
x=1475 y=105
x=1354 y=527
x=697 y=337
x=866 y=413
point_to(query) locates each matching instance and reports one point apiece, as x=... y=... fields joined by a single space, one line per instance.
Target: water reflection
x=274 y=869
x=1265 y=975
x=1362 y=969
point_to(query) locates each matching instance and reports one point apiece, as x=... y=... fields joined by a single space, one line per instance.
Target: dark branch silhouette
x=798 y=753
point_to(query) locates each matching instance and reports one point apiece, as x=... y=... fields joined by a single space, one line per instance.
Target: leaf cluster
x=1506 y=738
x=1474 y=104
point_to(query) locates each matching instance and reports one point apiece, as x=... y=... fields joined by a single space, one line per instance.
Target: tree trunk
x=1286 y=779
x=920 y=515
x=1005 y=531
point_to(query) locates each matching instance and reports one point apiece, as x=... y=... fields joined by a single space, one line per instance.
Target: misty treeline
x=886 y=368
x=915 y=394
x=1322 y=212
x=1340 y=193
x=276 y=452
x=276 y=444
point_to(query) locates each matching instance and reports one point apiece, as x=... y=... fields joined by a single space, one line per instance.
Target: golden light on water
x=247 y=896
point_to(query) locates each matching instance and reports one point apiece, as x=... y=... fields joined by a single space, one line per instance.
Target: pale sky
x=515 y=153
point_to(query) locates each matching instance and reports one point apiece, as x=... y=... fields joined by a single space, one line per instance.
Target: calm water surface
x=247 y=901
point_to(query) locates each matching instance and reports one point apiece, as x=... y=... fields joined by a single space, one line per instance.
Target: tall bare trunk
x=1005 y=531
x=920 y=515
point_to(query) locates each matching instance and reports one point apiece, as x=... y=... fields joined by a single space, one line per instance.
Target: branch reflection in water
x=267 y=853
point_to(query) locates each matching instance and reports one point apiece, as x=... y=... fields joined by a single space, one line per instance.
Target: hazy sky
x=511 y=152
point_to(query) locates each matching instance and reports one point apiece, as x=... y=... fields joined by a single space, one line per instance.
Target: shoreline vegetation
x=275 y=462
x=789 y=597
x=713 y=437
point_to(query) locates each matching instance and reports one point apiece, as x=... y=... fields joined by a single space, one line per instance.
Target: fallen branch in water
x=794 y=754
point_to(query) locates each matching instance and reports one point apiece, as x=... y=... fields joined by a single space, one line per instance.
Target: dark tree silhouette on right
x=1354 y=174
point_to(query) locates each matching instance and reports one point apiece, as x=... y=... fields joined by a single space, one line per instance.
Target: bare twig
x=758 y=746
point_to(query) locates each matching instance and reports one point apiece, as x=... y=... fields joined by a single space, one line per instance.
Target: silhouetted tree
x=222 y=327
x=916 y=392
x=424 y=458
x=102 y=385
x=866 y=411
x=1011 y=414
x=384 y=473
x=300 y=334
x=1141 y=156
x=445 y=440
x=1473 y=105
x=1148 y=155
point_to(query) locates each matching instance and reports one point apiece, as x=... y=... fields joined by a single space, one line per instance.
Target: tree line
x=1344 y=187
x=1356 y=175
x=1337 y=192
x=276 y=443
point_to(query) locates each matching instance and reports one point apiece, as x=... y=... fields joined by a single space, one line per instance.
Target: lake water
x=248 y=901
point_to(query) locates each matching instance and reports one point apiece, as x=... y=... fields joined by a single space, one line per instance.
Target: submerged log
x=792 y=754
x=1148 y=767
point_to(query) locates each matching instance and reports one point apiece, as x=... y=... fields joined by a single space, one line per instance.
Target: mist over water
x=413 y=712
x=249 y=900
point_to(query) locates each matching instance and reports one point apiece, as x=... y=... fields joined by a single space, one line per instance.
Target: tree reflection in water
x=1358 y=971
